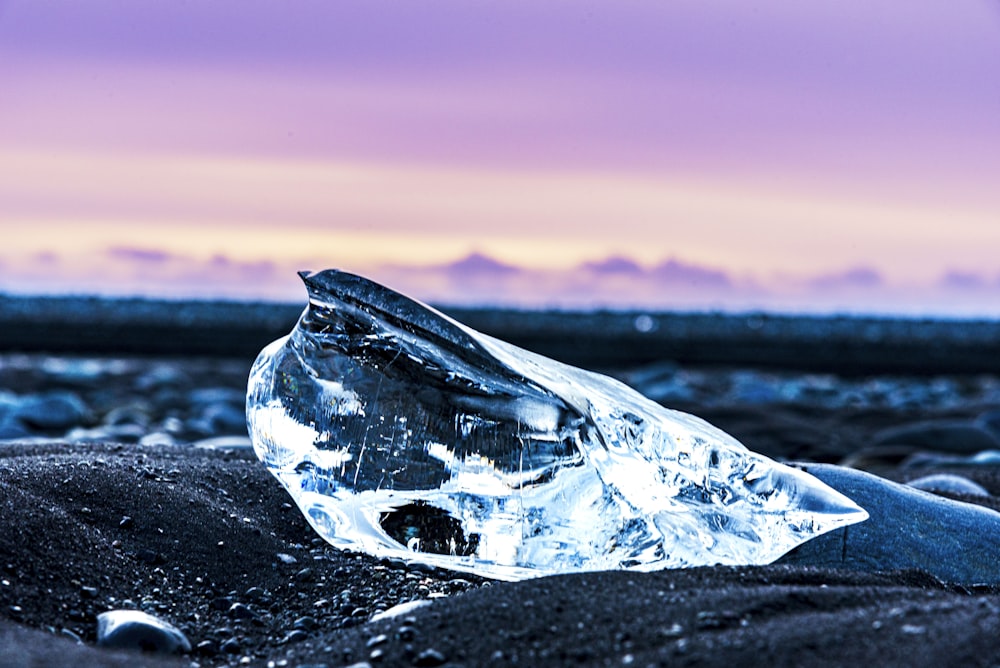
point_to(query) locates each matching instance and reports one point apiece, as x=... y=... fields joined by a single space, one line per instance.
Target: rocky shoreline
x=843 y=344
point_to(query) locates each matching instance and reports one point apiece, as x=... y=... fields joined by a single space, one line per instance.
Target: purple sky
x=783 y=144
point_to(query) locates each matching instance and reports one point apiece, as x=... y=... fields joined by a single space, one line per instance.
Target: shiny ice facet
x=404 y=434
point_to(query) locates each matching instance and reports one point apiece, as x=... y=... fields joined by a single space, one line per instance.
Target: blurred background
x=826 y=157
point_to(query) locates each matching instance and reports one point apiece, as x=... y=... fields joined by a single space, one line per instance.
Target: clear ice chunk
x=404 y=434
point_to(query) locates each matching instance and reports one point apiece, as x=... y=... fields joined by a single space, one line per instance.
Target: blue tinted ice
x=402 y=433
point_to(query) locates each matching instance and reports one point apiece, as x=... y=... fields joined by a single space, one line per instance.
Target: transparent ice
x=404 y=434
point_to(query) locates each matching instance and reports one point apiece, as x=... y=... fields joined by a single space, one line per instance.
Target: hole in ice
x=425 y=528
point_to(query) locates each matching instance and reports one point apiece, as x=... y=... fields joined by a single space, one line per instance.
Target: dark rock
x=52 y=411
x=430 y=657
x=207 y=648
x=907 y=529
x=879 y=458
x=241 y=611
x=217 y=395
x=231 y=646
x=375 y=641
x=257 y=595
x=132 y=629
x=990 y=421
x=294 y=636
x=940 y=435
x=305 y=623
x=224 y=419
x=66 y=633
x=948 y=483
x=12 y=429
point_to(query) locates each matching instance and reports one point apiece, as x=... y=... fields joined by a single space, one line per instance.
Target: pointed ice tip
x=816 y=496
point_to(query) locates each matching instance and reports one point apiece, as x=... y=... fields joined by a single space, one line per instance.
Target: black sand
x=207 y=529
x=210 y=542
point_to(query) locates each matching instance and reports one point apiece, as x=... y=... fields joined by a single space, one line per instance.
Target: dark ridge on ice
x=847 y=345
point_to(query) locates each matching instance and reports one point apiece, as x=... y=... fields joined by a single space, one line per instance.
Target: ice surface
x=404 y=434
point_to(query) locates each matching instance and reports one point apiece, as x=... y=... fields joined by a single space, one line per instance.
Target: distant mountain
x=133 y=254
x=614 y=265
x=963 y=280
x=674 y=271
x=478 y=264
x=857 y=277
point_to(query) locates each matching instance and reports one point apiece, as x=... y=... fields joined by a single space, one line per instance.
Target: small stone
x=430 y=657
x=12 y=429
x=207 y=648
x=53 y=411
x=132 y=629
x=954 y=436
x=66 y=633
x=296 y=635
x=157 y=438
x=375 y=641
x=231 y=646
x=241 y=611
x=257 y=595
x=88 y=592
x=948 y=483
x=286 y=558
x=225 y=418
x=305 y=623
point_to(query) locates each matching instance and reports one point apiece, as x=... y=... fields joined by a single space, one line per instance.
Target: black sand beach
x=190 y=527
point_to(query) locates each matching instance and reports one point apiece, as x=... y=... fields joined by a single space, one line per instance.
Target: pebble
x=430 y=657
x=223 y=418
x=305 y=623
x=51 y=411
x=133 y=629
x=294 y=636
x=401 y=609
x=956 y=436
x=241 y=611
x=990 y=421
x=157 y=438
x=950 y=483
x=231 y=646
x=11 y=429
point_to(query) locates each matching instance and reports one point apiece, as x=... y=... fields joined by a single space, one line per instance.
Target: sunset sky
x=820 y=156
